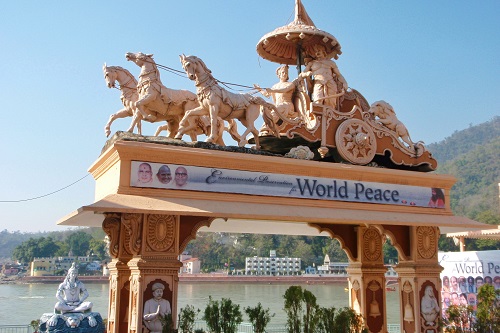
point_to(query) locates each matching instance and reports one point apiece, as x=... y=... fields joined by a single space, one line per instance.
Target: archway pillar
x=367 y=279
x=119 y=274
x=145 y=250
x=419 y=282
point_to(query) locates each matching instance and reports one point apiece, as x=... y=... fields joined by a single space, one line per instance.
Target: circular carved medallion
x=372 y=245
x=426 y=242
x=160 y=232
x=355 y=141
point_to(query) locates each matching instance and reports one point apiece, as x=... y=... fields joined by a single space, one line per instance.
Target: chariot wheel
x=356 y=142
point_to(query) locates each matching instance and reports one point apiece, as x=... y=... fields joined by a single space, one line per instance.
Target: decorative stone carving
x=132 y=225
x=372 y=244
x=135 y=286
x=160 y=232
x=426 y=242
x=90 y=322
x=429 y=306
x=386 y=116
x=111 y=226
x=218 y=102
x=356 y=141
x=301 y=153
x=408 y=309
x=374 y=310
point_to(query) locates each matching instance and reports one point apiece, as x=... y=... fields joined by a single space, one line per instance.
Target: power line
x=46 y=195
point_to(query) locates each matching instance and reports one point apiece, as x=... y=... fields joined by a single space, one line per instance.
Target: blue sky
x=436 y=62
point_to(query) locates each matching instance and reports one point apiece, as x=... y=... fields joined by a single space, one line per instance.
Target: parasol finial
x=301 y=16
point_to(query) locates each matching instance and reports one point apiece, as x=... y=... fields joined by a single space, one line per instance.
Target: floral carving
x=356 y=141
x=372 y=244
x=426 y=242
x=160 y=232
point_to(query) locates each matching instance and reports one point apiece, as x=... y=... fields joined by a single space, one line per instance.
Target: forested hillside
x=465 y=141
x=471 y=155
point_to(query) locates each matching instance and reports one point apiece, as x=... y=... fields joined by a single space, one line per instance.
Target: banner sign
x=464 y=273
x=172 y=176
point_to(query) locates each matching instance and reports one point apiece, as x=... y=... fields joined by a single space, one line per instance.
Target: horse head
x=109 y=76
x=139 y=58
x=194 y=67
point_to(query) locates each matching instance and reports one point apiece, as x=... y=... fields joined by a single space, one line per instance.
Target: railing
x=16 y=329
x=247 y=327
x=393 y=328
x=199 y=324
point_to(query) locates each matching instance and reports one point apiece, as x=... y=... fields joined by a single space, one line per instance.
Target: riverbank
x=209 y=278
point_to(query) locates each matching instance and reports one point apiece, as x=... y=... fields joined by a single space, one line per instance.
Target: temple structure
x=329 y=164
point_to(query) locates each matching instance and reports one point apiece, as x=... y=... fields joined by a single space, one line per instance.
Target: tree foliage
x=259 y=317
x=35 y=248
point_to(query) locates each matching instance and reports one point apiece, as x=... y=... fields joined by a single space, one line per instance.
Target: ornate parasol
x=288 y=44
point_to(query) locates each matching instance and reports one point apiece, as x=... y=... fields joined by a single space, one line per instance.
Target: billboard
x=464 y=272
x=185 y=177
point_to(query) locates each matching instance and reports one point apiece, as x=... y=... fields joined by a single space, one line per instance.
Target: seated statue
x=281 y=93
x=154 y=308
x=72 y=294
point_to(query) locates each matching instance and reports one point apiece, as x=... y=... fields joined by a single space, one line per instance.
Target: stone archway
x=149 y=225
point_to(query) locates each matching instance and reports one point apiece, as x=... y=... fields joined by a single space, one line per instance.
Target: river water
x=21 y=303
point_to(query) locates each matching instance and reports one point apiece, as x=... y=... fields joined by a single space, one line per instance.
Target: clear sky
x=436 y=62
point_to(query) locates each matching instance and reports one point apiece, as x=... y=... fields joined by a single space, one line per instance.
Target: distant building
x=272 y=265
x=329 y=267
x=191 y=266
x=11 y=269
x=50 y=266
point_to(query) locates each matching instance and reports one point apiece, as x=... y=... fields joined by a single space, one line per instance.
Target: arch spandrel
x=345 y=234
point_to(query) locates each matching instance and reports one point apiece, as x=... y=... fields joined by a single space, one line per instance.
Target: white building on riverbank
x=272 y=265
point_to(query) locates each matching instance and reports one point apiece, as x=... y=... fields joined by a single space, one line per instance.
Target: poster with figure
x=464 y=272
x=187 y=177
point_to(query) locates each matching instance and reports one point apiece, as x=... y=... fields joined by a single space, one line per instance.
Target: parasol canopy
x=287 y=44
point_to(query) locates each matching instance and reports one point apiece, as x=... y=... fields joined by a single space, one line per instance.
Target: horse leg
x=139 y=127
x=214 y=111
x=140 y=105
x=161 y=128
x=251 y=114
x=120 y=114
x=173 y=126
x=136 y=119
x=187 y=124
x=233 y=130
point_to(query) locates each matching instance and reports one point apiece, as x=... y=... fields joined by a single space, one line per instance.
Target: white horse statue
x=157 y=101
x=128 y=86
x=217 y=102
